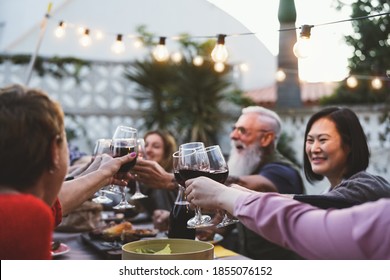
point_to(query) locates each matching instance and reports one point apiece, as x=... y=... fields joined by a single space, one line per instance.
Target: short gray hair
x=276 y=121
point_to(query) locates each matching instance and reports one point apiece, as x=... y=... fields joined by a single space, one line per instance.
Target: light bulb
x=280 y=75
x=244 y=67
x=118 y=46
x=219 y=67
x=160 y=52
x=352 y=82
x=302 y=48
x=176 y=57
x=85 y=40
x=60 y=30
x=220 y=53
x=376 y=83
x=198 y=60
x=138 y=43
x=99 y=35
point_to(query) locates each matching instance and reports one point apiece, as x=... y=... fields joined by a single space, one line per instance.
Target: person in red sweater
x=33 y=164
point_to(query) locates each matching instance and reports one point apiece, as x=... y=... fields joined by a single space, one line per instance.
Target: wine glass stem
x=198 y=215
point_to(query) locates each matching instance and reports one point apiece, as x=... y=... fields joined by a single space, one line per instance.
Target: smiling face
x=154 y=147
x=326 y=151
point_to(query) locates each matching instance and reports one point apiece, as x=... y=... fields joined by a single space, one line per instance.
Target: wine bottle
x=180 y=214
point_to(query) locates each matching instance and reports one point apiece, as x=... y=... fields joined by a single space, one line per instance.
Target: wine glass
x=219 y=172
x=141 y=154
x=102 y=146
x=124 y=141
x=194 y=163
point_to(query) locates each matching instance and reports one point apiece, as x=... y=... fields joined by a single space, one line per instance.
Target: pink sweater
x=360 y=232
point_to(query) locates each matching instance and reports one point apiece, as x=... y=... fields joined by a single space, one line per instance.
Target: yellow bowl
x=182 y=249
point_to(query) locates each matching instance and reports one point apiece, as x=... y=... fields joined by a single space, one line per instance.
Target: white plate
x=63 y=249
x=217 y=238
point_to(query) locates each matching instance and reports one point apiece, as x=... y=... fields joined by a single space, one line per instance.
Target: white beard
x=245 y=161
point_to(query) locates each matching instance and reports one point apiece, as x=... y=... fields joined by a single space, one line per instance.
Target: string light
x=60 y=30
x=219 y=67
x=99 y=35
x=138 y=43
x=118 y=47
x=160 y=52
x=198 y=60
x=85 y=40
x=280 y=75
x=376 y=83
x=220 y=53
x=176 y=57
x=352 y=82
x=302 y=48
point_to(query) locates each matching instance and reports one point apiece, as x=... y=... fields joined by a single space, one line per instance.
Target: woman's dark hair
x=352 y=135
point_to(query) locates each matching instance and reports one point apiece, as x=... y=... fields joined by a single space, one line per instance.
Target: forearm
x=74 y=192
x=311 y=232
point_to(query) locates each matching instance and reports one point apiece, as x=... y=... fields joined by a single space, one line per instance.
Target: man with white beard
x=256 y=164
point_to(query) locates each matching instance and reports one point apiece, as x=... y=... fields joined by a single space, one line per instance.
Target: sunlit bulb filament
x=376 y=83
x=118 y=47
x=176 y=57
x=219 y=67
x=302 y=48
x=220 y=53
x=280 y=75
x=198 y=60
x=60 y=30
x=85 y=40
x=352 y=82
x=160 y=52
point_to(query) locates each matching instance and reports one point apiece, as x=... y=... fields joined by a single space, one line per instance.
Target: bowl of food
x=168 y=249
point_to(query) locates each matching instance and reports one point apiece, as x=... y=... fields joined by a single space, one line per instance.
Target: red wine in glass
x=119 y=150
x=218 y=176
x=178 y=178
x=186 y=174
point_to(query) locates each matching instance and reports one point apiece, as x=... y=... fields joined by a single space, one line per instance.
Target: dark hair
x=29 y=122
x=170 y=147
x=352 y=135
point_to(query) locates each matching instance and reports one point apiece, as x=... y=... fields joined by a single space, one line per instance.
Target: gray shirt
x=361 y=187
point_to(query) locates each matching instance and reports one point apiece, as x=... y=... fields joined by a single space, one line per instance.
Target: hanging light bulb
x=302 y=48
x=118 y=47
x=219 y=67
x=60 y=30
x=176 y=57
x=198 y=60
x=85 y=40
x=376 y=83
x=244 y=67
x=220 y=53
x=352 y=82
x=99 y=35
x=160 y=52
x=280 y=75
x=138 y=43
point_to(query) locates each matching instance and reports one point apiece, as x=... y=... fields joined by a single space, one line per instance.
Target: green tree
x=371 y=54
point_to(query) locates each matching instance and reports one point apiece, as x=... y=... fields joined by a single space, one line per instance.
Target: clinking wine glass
x=124 y=141
x=219 y=172
x=141 y=154
x=102 y=146
x=194 y=163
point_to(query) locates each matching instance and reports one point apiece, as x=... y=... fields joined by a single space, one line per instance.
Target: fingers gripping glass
x=124 y=141
x=193 y=163
x=102 y=146
x=219 y=172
